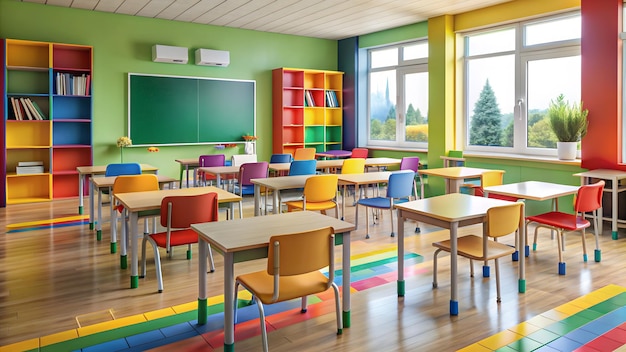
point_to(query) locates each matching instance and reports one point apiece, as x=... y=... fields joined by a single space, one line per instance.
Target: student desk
x=98 y=184
x=247 y=239
x=334 y=154
x=608 y=175
x=275 y=184
x=356 y=180
x=454 y=176
x=533 y=190
x=449 y=211
x=91 y=171
x=381 y=162
x=151 y=200
x=185 y=165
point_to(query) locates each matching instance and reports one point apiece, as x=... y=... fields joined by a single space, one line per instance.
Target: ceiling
x=329 y=19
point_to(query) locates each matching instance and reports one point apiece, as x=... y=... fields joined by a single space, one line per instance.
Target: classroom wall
x=123 y=43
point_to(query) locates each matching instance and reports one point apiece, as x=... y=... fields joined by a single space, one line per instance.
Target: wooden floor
x=50 y=276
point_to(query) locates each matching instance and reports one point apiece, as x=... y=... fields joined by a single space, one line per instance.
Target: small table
x=247 y=239
x=334 y=154
x=186 y=164
x=98 y=184
x=449 y=211
x=276 y=184
x=367 y=178
x=151 y=200
x=609 y=175
x=91 y=171
x=533 y=190
x=219 y=171
x=454 y=176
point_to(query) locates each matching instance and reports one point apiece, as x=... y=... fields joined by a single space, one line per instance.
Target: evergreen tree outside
x=485 y=126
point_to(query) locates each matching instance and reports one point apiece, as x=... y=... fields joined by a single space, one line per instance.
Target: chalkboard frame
x=152 y=125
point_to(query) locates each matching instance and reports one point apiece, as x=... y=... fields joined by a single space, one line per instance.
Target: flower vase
x=249 y=148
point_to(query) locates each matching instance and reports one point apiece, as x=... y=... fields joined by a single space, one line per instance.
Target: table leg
x=257 y=199
x=180 y=180
x=187 y=174
x=276 y=205
x=614 y=210
x=91 y=206
x=134 y=234
x=401 y=288
x=99 y=222
x=454 y=303
x=229 y=294
x=113 y=216
x=346 y=279
x=81 y=180
x=123 y=237
x=343 y=201
x=522 y=244
x=202 y=281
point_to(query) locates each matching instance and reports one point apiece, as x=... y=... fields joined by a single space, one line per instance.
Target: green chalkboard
x=174 y=110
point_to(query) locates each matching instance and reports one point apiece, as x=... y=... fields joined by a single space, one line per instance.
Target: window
x=511 y=75
x=398 y=95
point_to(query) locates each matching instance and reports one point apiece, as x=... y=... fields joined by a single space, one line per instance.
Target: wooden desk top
x=138 y=201
x=364 y=178
x=188 y=161
x=250 y=233
x=533 y=190
x=282 y=182
x=382 y=161
x=101 y=169
x=108 y=181
x=452 y=207
x=334 y=154
x=455 y=173
x=605 y=174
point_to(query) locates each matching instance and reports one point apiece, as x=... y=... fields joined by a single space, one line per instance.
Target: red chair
x=360 y=153
x=177 y=215
x=588 y=199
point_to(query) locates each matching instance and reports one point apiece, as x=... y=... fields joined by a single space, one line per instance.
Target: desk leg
x=229 y=296
x=346 y=279
x=203 y=249
x=81 y=181
x=454 y=303
x=99 y=222
x=91 y=207
x=133 y=233
x=276 y=205
x=187 y=174
x=112 y=220
x=343 y=201
x=257 y=199
x=180 y=180
x=522 y=244
x=401 y=288
x=614 y=210
x=123 y=237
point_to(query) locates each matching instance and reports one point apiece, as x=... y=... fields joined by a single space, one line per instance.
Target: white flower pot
x=566 y=150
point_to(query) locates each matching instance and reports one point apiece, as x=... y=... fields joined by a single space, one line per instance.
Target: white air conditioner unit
x=209 y=57
x=171 y=54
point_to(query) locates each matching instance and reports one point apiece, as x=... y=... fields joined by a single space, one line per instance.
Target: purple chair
x=412 y=163
x=206 y=161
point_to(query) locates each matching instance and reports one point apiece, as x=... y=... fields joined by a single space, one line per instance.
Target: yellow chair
x=293 y=269
x=177 y=215
x=353 y=166
x=320 y=193
x=128 y=184
x=304 y=154
x=501 y=221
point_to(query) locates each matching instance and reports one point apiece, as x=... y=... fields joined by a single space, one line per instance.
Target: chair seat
x=291 y=287
x=178 y=238
x=569 y=222
x=379 y=202
x=471 y=246
x=311 y=206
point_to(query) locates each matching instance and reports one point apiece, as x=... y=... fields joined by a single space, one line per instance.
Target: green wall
x=123 y=44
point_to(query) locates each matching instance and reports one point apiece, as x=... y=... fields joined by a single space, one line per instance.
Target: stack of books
x=29 y=167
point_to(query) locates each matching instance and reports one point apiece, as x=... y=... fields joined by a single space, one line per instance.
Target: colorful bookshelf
x=47 y=117
x=307 y=109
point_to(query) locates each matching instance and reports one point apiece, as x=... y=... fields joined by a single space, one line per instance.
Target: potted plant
x=569 y=124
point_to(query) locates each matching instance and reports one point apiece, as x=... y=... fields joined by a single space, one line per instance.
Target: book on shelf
x=33 y=111
x=39 y=111
x=24 y=170
x=15 y=108
x=26 y=109
x=30 y=163
x=70 y=84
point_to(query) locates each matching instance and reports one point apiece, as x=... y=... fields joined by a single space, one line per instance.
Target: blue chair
x=122 y=169
x=303 y=167
x=399 y=190
x=280 y=158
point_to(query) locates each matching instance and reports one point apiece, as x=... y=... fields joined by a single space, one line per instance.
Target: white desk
x=608 y=175
x=275 y=184
x=449 y=211
x=356 y=180
x=247 y=239
x=454 y=176
x=151 y=200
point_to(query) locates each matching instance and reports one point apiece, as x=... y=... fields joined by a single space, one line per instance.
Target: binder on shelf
x=25 y=170
x=30 y=163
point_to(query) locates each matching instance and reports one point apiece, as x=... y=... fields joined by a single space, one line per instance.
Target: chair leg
x=262 y=321
x=211 y=262
x=393 y=234
x=367 y=223
x=189 y=252
x=498 y=296
x=303 y=304
x=597 y=254
x=143 y=257
x=338 y=309
x=435 y=268
x=235 y=302
x=559 y=239
x=582 y=236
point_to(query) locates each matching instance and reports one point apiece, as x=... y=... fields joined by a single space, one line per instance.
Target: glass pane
x=383 y=105
x=492 y=42
x=416 y=100
x=491 y=99
x=416 y=51
x=384 y=58
x=547 y=79
x=552 y=31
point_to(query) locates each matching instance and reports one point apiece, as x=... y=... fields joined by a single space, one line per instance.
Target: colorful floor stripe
x=48 y=224
x=179 y=323
x=595 y=322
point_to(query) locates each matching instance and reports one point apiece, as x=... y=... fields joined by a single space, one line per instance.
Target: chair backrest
x=122 y=169
x=280 y=158
x=491 y=178
x=249 y=171
x=504 y=220
x=240 y=159
x=212 y=160
x=303 y=167
x=589 y=197
x=400 y=184
x=320 y=188
x=410 y=163
x=360 y=153
x=181 y=211
x=301 y=253
x=353 y=166
x=304 y=154
x=136 y=183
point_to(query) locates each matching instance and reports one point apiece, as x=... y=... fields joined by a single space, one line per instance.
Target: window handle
x=520 y=102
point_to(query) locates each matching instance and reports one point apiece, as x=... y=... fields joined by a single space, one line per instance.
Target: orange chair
x=360 y=153
x=501 y=221
x=293 y=269
x=177 y=215
x=320 y=193
x=304 y=154
x=588 y=199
